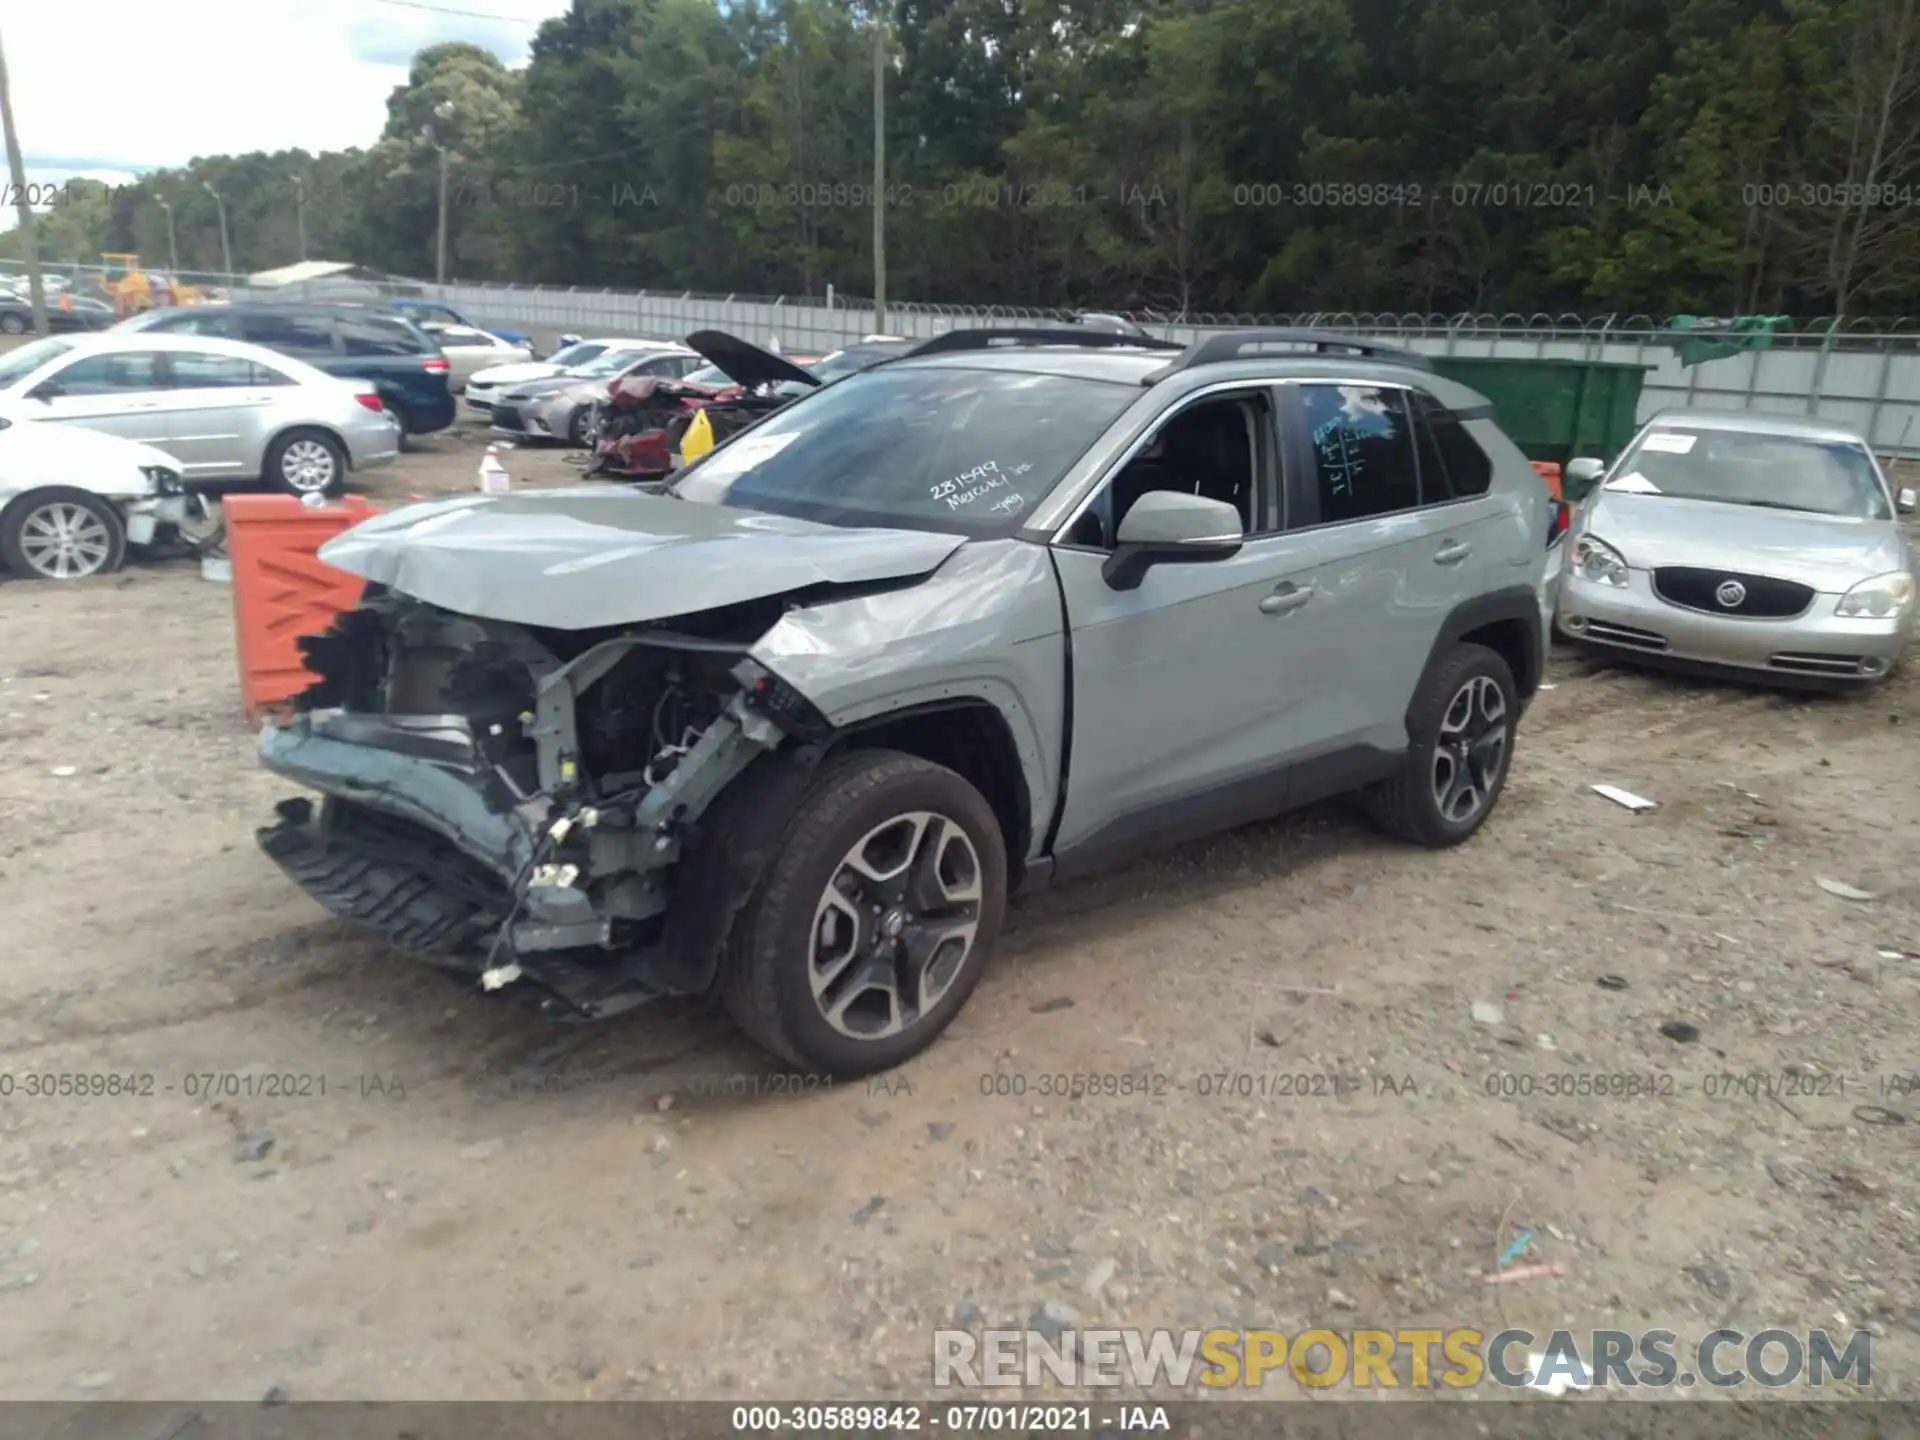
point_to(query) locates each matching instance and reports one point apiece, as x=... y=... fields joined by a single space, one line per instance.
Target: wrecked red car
x=644 y=419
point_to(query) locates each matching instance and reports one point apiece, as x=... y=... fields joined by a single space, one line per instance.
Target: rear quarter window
x=1452 y=464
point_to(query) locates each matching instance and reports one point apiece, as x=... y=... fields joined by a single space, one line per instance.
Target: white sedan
x=71 y=500
x=470 y=351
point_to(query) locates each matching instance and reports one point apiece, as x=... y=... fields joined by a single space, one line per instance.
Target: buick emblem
x=1730 y=593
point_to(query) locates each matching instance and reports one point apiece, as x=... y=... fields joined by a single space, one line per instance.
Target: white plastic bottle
x=493 y=475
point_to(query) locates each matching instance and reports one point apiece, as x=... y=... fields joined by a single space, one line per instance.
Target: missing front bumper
x=432 y=903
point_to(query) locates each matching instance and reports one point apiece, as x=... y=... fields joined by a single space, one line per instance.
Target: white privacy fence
x=1866 y=374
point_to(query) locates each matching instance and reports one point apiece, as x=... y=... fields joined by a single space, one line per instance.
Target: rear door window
x=1361 y=442
x=193 y=370
x=296 y=330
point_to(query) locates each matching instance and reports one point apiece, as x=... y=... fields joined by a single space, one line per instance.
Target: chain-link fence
x=1863 y=371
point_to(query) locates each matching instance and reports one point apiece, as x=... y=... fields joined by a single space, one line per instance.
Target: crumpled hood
x=1824 y=551
x=592 y=556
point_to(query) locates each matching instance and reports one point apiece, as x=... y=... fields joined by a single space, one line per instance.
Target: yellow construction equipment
x=131 y=289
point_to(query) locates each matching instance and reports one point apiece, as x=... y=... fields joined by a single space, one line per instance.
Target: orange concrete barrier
x=281 y=588
x=1550 y=472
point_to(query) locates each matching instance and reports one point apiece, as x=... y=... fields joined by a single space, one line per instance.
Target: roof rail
x=1084 y=336
x=1228 y=345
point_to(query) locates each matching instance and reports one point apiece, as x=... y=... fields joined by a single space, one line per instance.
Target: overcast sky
x=165 y=83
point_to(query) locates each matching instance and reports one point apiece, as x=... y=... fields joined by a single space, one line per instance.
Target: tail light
x=370 y=399
x=435 y=365
x=1558 y=518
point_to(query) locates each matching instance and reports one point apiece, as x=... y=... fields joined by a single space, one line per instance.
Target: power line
x=465 y=14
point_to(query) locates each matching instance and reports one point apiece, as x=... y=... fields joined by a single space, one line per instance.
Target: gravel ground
x=485 y=1205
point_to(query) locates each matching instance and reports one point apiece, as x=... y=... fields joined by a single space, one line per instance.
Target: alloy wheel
x=307 y=466
x=895 y=925
x=65 y=541
x=1471 y=751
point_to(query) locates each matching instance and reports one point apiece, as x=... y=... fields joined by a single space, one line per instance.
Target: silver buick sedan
x=1760 y=545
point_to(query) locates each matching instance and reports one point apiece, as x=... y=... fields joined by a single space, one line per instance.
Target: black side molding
x=1518 y=608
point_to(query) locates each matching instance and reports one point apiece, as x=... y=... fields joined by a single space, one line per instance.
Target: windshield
x=28 y=358
x=1777 y=472
x=574 y=355
x=944 y=449
x=611 y=363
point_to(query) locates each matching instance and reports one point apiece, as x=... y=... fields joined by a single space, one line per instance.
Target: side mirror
x=1586 y=469
x=1167 y=527
x=1906 y=500
x=45 y=390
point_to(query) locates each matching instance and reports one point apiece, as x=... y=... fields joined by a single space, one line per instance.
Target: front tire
x=875 y=919
x=307 y=462
x=1460 y=749
x=62 y=534
x=13 y=324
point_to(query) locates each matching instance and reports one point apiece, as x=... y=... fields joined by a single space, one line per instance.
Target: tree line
x=1707 y=156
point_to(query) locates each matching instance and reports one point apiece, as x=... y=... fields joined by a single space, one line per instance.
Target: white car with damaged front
x=72 y=500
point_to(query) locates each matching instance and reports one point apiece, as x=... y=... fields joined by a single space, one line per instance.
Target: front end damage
x=519 y=804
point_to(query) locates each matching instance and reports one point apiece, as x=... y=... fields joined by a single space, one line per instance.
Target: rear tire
x=843 y=973
x=62 y=534
x=1459 y=752
x=13 y=324
x=307 y=462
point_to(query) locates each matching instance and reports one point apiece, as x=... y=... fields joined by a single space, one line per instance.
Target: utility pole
x=173 y=241
x=226 y=250
x=440 y=246
x=300 y=210
x=442 y=111
x=879 y=167
x=29 y=251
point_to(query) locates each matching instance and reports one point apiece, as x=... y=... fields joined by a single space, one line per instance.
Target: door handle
x=1288 y=598
x=1452 y=553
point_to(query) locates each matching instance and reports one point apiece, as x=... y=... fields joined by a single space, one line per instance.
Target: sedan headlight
x=1599 y=562
x=1880 y=598
x=162 y=481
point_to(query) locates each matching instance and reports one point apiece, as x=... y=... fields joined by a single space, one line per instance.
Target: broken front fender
x=987 y=627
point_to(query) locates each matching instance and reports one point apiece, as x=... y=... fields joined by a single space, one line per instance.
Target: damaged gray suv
x=791 y=728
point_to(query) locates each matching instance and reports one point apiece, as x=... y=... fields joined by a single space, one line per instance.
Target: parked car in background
x=566 y=407
x=431 y=313
x=638 y=432
x=470 y=351
x=65 y=313
x=227 y=412
x=1760 y=545
x=483 y=388
x=402 y=360
x=72 y=500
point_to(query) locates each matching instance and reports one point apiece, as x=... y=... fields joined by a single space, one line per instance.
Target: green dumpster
x=1555 y=409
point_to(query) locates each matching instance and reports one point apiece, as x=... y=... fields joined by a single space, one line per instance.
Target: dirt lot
x=485 y=1205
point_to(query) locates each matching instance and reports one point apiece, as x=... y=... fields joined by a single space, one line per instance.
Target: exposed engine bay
x=645 y=417
x=513 y=801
